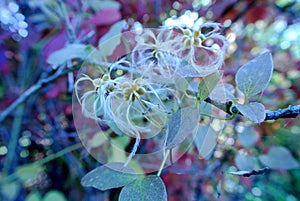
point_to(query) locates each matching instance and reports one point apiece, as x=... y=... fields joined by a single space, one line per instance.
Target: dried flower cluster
x=154 y=82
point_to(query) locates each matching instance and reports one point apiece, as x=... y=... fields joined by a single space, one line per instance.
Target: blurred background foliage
x=41 y=157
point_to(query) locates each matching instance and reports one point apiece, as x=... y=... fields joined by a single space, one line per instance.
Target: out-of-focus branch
x=70 y=29
x=31 y=90
x=40 y=84
x=289 y=112
x=252 y=172
x=239 y=15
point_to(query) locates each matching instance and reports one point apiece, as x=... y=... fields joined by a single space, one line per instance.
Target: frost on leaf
x=207 y=85
x=254 y=76
x=182 y=124
x=205 y=140
x=71 y=51
x=112 y=175
x=279 y=158
x=146 y=189
x=253 y=111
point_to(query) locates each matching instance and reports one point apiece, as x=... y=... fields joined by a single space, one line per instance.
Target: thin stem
x=219 y=118
x=288 y=112
x=58 y=154
x=70 y=29
x=163 y=162
x=152 y=121
x=70 y=78
x=134 y=149
x=45 y=160
x=246 y=100
x=16 y=128
x=33 y=89
x=171 y=156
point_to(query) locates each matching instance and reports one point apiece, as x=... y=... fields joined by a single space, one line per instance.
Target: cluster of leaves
x=58 y=32
x=251 y=79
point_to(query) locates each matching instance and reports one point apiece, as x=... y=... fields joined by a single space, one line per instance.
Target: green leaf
x=207 y=85
x=69 y=52
x=54 y=195
x=98 y=139
x=120 y=141
x=111 y=39
x=34 y=196
x=27 y=172
x=253 y=111
x=146 y=189
x=136 y=166
x=254 y=76
x=279 y=158
x=9 y=190
x=2 y=91
x=205 y=140
x=247 y=137
x=111 y=175
x=181 y=83
x=117 y=149
x=245 y=162
x=181 y=124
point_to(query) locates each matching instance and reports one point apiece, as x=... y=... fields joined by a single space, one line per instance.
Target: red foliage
x=259 y=12
x=104 y=17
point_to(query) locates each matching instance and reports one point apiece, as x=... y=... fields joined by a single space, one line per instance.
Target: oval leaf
x=254 y=76
x=111 y=39
x=111 y=175
x=33 y=196
x=222 y=92
x=181 y=124
x=146 y=189
x=253 y=111
x=205 y=140
x=245 y=162
x=207 y=85
x=54 y=195
x=67 y=53
x=247 y=137
x=279 y=158
x=10 y=190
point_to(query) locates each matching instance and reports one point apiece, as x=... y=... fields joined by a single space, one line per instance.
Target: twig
x=45 y=160
x=252 y=172
x=70 y=29
x=223 y=106
x=289 y=112
x=41 y=83
x=71 y=39
x=238 y=16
